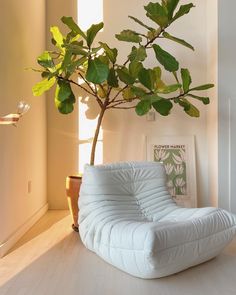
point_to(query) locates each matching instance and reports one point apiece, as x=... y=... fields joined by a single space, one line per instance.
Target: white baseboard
x=10 y=242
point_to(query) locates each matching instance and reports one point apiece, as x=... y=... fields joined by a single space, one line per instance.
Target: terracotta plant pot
x=73 y=184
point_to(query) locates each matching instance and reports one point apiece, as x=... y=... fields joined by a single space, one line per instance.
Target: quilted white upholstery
x=129 y=219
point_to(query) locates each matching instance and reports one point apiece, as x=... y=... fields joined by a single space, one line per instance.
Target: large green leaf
x=138 y=54
x=66 y=60
x=203 y=99
x=77 y=49
x=134 y=68
x=184 y=103
x=57 y=36
x=45 y=74
x=147 y=77
x=77 y=43
x=45 y=60
x=158 y=72
x=96 y=49
x=138 y=91
x=152 y=97
x=64 y=97
x=63 y=91
x=43 y=86
x=141 y=23
x=104 y=59
x=184 y=9
x=186 y=79
x=112 y=78
x=65 y=107
x=111 y=52
x=97 y=71
x=193 y=111
x=92 y=32
x=170 y=6
x=189 y=108
x=169 y=88
x=180 y=41
x=157 y=13
x=163 y=106
x=159 y=84
x=166 y=59
x=125 y=76
x=68 y=20
x=202 y=87
x=75 y=64
x=102 y=91
x=128 y=94
x=143 y=107
x=129 y=36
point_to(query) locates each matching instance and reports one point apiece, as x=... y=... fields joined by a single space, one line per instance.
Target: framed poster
x=177 y=153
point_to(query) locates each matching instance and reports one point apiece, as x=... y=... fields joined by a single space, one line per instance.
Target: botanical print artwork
x=174 y=159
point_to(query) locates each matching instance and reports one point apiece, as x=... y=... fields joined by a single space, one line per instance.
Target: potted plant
x=129 y=85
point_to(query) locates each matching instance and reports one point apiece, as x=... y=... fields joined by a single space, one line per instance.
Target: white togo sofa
x=129 y=219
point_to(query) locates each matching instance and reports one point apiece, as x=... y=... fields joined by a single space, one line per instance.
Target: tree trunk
x=95 y=139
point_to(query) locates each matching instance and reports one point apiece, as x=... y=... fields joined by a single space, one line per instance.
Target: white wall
x=227 y=104
x=22 y=149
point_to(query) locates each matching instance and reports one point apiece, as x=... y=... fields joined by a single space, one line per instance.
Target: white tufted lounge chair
x=129 y=219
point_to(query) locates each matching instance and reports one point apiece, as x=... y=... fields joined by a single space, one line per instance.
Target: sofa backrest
x=120 y=184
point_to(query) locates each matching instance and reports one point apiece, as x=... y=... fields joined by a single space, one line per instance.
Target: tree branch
x=118 y=93
x=181 y=95
x=177 y=80
x=75 y=83
x=149 y=42
x=124 y=64
x=86 y=90
x=102 y=88
x=99 y=101
x=121 y=102
x=109 y=91
x=122 y=108
x=82 y=77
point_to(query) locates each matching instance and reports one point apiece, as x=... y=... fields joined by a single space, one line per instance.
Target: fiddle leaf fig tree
x=129 y=85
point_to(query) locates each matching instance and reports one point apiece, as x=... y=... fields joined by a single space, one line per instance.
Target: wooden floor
x=50 y=260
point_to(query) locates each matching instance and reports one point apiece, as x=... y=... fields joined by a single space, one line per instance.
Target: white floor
x=50 y=260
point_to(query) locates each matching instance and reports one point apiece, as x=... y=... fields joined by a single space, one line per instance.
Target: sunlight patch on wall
x=86 y=132
x=89 y=12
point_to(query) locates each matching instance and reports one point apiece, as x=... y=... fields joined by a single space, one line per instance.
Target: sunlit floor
x=50 y=260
